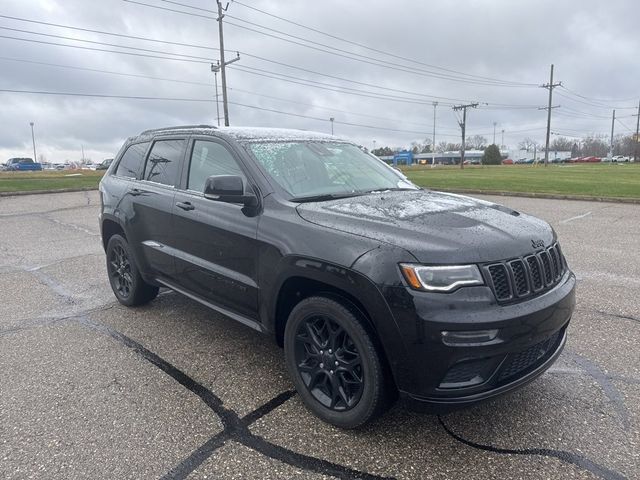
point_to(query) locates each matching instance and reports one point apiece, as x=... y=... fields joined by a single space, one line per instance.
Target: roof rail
x=178 y=127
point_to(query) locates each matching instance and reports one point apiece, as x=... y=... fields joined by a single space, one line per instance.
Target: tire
x=334 y=363
x=124 y=277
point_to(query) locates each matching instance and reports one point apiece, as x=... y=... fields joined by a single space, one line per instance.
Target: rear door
x=217 y=248
x=152 y=199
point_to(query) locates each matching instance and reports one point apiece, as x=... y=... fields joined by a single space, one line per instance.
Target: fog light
x=470 y=338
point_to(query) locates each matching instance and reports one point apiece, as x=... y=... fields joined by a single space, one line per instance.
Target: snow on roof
x=242 y=133
x=276 y=134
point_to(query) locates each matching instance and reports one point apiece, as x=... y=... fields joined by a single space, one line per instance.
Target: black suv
x=373 y=286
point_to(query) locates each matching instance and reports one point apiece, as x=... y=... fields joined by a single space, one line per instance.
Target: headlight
x=441 y=279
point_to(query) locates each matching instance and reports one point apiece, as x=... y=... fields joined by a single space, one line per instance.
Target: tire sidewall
x=371 y=367
x=114 y=241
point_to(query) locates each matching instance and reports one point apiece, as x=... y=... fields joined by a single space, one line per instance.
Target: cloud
x=591 y=45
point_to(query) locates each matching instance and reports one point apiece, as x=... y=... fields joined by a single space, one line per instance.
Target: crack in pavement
x=562 y=455
x=607 y=386
x=234 y=427
x=609 y=314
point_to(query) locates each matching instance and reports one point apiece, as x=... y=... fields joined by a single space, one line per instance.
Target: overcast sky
x=494 y=52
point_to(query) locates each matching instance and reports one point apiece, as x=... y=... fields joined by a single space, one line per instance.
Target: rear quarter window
x=131 y=162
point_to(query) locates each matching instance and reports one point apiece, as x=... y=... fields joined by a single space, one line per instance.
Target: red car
x=507 y=161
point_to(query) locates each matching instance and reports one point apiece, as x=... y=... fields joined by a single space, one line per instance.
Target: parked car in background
x=374 y=287
x=22 y=165
x=507 y=161
x=104 y=164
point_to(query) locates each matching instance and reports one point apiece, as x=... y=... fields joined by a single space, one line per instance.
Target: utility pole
x=223 y=64
x=613 y=123
x=331 y=120
x=502 y=142
x=82 y=149
x=635 y=147
x=550 y=86
x=433 y=146
x=494 y=132
x=33 y=139
x=463 y=126
x=215 y=69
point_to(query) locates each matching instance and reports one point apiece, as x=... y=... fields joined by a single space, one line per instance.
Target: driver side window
x=210 y=158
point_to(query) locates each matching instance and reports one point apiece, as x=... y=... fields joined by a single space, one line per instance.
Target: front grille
x=520 y=278
x=519 y=362
x=500 y=280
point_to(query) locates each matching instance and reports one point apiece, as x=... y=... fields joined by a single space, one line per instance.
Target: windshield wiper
x=324 y=197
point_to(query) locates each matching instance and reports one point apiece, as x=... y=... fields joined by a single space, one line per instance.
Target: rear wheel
x=334 y=363
x=126 y=282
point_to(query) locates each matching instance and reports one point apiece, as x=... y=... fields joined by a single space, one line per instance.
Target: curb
x=551 y=196
x=41 y=192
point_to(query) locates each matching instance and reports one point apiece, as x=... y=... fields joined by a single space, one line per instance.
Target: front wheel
x=126 y=282
x=334 y=363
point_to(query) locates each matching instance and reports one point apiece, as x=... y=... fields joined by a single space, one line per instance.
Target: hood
x=436 y=227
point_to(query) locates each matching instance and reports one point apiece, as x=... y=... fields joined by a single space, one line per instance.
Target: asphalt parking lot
x=90 y=389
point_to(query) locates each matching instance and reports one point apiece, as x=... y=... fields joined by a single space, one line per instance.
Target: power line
x=490 y=106
x=206 y=100
x=335 y=37
x=102 y=95
x=102 y=32
x=95 y=42
x=249 y=92
x=43 y=42
x=109 y=72
x=371 y=60
x=327 y=86
x=350 y=56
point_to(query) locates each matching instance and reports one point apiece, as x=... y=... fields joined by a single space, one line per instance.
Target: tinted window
x=132 y=160
x=163 y=164
x=207 y=159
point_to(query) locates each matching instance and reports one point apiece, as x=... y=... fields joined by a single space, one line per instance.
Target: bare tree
x=561 y=144
x=527 y=144
x=442 y=147
x=477 y=142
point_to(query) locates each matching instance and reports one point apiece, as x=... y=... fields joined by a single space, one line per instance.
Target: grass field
x=599 y=180
x=595 y=180
x=48 y=180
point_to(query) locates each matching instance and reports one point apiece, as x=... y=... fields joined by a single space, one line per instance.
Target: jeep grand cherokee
x=374 y=287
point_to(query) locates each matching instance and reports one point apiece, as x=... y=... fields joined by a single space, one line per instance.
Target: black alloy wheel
x=126 y=282
x=335 y=362
x=329 y=363
x=120 y=271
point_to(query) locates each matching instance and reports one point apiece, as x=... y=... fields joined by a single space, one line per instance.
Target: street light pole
x=33 y=140
x=494 y=132
x=331 y=120
x=433 y=141
x=502 y=143
x=215 y=69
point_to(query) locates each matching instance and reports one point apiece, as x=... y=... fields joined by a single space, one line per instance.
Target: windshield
x=310 y=169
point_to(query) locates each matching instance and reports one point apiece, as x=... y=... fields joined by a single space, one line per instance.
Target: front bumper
x=530 y=337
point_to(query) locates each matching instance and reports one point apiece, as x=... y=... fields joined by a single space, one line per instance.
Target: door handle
x=136 y=191
x=185 y=205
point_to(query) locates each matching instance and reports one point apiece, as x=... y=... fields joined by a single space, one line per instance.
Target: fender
x=339 y=279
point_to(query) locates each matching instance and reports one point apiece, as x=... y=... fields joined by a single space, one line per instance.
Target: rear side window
x=210 y=158
x=163 y=164
x=132 y=160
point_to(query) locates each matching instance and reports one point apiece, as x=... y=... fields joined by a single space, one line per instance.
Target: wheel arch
x=110 y=227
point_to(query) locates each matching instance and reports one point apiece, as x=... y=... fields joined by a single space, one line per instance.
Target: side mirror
x=229 y=189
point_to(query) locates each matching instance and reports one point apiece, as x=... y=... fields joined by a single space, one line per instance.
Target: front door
x=216 y=255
